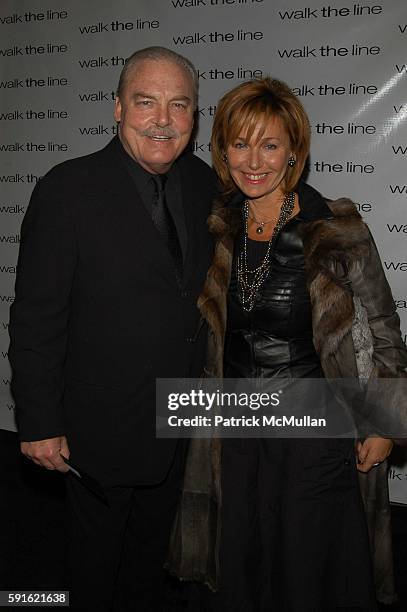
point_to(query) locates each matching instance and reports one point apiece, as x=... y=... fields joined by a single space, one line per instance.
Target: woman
x=295 y=290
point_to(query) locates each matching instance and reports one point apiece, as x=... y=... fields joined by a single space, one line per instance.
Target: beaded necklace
x=250 y=281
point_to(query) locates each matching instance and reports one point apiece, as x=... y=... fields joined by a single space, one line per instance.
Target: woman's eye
x=270 y=146
x=239 y=145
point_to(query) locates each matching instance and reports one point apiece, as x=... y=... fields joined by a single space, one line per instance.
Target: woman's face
x=258 y=166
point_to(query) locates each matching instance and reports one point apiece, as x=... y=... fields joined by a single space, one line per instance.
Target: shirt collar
x=312 y=205
x=139 y=174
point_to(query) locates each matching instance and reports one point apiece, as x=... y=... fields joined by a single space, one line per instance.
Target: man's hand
x=47 y=453
x=371 y=452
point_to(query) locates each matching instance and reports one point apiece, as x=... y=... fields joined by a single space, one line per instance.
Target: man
x=112 y=260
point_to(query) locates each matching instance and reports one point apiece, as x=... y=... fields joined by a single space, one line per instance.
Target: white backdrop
x=59 y=66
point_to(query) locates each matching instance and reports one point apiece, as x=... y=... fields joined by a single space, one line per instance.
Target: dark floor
x=33 y=528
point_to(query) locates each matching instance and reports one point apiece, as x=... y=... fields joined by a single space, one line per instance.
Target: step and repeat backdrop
x=59 y=66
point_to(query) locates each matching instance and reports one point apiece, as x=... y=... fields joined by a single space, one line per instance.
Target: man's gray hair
x=158 y=53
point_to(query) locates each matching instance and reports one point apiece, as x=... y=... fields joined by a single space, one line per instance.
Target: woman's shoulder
x=343 y=234
x=344 y=207
x=337 y=212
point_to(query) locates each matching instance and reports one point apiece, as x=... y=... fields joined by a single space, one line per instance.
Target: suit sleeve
x=39 y=316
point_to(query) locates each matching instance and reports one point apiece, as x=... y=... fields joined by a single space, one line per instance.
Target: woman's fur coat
x=356 y=334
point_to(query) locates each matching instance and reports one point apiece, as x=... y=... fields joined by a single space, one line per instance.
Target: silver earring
x=291 y=161
x=225 y=158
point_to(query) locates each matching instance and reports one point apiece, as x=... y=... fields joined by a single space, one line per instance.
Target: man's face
x=155 y=112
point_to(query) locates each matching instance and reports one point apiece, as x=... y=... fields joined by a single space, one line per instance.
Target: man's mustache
x=167 y=132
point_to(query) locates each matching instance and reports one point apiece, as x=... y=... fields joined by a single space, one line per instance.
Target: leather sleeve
x=369 y=283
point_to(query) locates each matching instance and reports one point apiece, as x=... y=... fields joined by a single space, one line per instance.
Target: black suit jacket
x=98 y=314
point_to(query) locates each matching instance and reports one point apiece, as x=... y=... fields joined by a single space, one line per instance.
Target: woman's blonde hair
x=255 y=103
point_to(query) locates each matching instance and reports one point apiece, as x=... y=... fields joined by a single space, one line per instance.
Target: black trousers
x=294 y=537
x=117 y=553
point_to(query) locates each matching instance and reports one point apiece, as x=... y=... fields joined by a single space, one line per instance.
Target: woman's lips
x=255 y=179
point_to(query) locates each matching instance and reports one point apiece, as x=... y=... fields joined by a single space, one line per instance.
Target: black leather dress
x=293 y=528
x=275 y=338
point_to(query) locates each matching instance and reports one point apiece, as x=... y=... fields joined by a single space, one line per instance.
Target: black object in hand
x=88 y=481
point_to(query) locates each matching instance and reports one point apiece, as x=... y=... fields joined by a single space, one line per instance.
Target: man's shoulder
x=84 y=166
x=195 y=164
x=197 y=176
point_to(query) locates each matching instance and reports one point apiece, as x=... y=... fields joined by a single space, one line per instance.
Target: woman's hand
x=372 y=451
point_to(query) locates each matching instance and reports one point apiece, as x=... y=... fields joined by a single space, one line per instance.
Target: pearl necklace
x=250 y=281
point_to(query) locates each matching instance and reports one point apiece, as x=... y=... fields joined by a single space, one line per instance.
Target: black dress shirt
x=146 y=190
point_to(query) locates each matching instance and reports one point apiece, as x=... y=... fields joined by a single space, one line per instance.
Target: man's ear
x=117 y=109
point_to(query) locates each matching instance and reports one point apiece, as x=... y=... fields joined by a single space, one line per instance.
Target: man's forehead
x=158 y=70
x=157 y=78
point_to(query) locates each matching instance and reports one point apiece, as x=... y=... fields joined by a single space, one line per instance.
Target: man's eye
x=144 y=103
x=179 y=105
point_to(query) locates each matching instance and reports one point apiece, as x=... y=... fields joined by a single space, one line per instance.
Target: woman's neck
x=269 y=206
